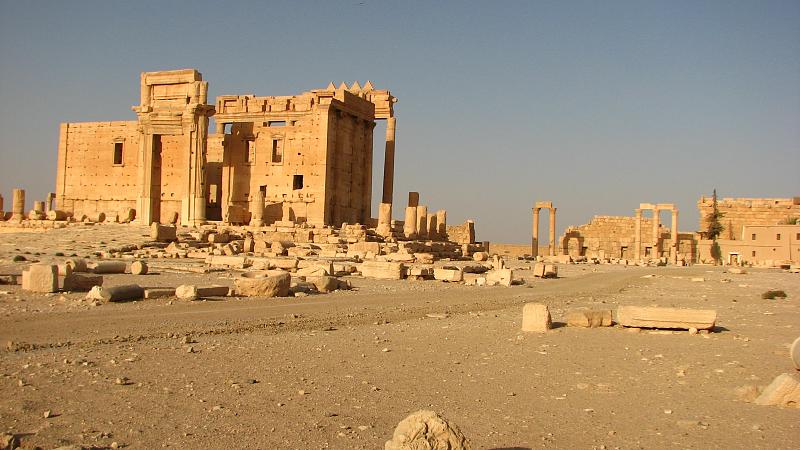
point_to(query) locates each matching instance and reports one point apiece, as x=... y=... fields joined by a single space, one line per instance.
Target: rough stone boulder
x=426 y=430
x=264 y=284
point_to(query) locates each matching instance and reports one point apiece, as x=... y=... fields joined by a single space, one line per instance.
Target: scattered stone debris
x=783 y=391
x=427 y=430
x=589 y=318
x=773 y=294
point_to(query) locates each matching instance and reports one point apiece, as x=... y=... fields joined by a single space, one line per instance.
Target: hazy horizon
x=595 y=106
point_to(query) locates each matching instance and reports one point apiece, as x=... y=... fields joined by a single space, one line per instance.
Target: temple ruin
x=291 y=159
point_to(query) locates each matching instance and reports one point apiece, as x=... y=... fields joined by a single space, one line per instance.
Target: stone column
x=144 y=201
x=673 y=254
x=257 y=210
x=432 y=234
x=655 y=233
x=410 y=225
x=193 y=206
x=286 y=212
x=552 y=231
x=18 y=205
x=422 y=222
x=413 y=199
x=637 y=242
x=388 y=161
x=441 y=224
x=2 y=211
x=535 y=238
x=51 y=196
x=384 y=219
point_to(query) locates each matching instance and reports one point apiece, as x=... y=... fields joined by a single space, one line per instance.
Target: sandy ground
x=341 y=370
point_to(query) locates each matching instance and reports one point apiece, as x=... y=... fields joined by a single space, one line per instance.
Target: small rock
x=48 y=414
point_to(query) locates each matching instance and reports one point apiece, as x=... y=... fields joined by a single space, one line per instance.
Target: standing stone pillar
x=441 y=224
x=384 y=219
x=257 y=210
x=18 y=205
x=535 y=234
x=410 y=225
x=552 y=231
x=432 y=234
x=422 y=222
x=51 y=196
x=655 y=233
x=673 y=253
x=388 y=161
x=637 y=242
x=413 y=199
x=2 y=211
x=286 y=212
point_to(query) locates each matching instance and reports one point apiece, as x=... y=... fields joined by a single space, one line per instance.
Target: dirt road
x=340 y=370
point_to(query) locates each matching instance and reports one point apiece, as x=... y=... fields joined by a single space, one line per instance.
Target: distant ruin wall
x=739 y=212
x=462 y=234
x=607 y=237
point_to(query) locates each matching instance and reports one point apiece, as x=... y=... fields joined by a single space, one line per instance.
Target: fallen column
x=117 y=293
x=674 y=318
x=108 y=267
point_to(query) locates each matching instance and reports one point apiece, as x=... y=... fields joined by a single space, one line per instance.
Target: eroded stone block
x=536 y=318
x=40 y=278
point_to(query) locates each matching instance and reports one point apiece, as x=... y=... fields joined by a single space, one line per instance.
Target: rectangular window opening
x=227 y=128
x=277 y=150
x=753 y=237
x=263 y=190
x=297 y=182
x=778 y=237
x=275 y=123
x=118 y=153
x=754 y=253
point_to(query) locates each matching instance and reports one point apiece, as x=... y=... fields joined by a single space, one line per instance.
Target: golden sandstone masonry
x=293 y=159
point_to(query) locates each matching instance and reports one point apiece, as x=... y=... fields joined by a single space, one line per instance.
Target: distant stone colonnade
x=535 y=240
x=657 y=208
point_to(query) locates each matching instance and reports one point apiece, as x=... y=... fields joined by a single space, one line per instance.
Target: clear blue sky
x=597 y=106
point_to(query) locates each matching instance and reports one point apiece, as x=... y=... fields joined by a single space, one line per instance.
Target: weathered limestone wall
x=739 y=212
x=608 y=237
x=462 y=234
x=349 y=159
x=87 y=179
x=311 y=154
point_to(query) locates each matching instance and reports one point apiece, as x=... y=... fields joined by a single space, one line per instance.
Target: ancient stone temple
x=303 y=158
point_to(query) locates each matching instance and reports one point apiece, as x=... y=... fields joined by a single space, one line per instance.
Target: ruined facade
x=293 y=159
x=740 y=212
x=757 y=231
x=615 y=237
